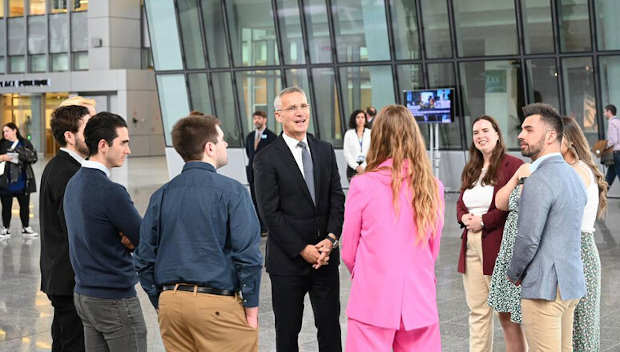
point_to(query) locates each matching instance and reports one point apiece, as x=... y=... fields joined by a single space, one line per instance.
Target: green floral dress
x=504 y=296
x=586 y=324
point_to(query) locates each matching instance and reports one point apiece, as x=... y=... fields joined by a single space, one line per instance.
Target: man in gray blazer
x=547 y=252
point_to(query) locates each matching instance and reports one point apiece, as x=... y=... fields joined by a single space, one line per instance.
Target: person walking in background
x=391 y=250
x=57 y=277
x=356 y=143
x=254 y=143
x=371 y=112
x=200 y=308
x=546 y=257
x=18 y=155
x=576 y=152
x=489 y=168
x=613 y=141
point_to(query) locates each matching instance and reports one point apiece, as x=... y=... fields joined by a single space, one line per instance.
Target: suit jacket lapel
x=290 y=160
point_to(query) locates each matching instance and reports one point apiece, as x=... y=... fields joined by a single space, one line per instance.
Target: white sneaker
x=4 y=233
x=28 y=231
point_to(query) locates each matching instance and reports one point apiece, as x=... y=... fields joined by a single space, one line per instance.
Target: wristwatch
x=334 y=241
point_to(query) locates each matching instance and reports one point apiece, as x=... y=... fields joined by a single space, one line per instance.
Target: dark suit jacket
x=266 y=138
x=493 y=220
x=57 y=276
x=286 y=206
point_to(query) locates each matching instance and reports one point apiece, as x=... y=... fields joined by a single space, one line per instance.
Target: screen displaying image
x=431 y=105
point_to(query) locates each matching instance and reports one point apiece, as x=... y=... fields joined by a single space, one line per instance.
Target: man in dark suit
x=57 y=277
x=254 y=142
x=299 y=195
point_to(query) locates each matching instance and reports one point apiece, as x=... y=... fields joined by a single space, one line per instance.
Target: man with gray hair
x=300 y=198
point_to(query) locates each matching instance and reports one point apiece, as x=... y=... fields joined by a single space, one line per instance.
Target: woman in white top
x=356 y=143
x=576 y=152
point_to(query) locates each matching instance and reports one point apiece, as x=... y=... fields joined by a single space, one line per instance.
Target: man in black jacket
x=255 y=142
x=300 y=198
x=57 y=278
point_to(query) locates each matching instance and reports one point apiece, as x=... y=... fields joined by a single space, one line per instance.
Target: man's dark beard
x=532 y=151
x=81 y=147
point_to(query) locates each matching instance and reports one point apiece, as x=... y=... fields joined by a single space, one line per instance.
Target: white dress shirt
x=74 y=155
x=296 y=150
x=96 y=165
x=353 y=148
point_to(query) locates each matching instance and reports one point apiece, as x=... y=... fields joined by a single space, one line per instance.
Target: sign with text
x=25 y=83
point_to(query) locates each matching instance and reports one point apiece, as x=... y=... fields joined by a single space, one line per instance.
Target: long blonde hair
x=396 y=135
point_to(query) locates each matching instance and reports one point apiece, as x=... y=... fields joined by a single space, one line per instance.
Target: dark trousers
x=24 y=211
x=613 y=170
x=287 y=294
x=111 y=325
x=67 y=329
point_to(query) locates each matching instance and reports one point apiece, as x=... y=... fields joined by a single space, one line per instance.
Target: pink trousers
x=363 y=337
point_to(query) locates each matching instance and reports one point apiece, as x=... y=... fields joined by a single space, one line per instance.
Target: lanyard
x=361 y=142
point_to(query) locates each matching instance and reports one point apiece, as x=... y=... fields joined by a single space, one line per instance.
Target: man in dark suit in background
x=300 y=198
x=57 y=278
x=254 y=142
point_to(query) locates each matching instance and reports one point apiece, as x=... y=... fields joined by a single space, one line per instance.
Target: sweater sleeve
x=123 y=213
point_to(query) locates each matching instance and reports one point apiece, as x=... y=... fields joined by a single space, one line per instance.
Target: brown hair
x=190 y=135
x=396 y=135
x=260 y=113
x=473 y=168
x=67 y=118
x=580 y=149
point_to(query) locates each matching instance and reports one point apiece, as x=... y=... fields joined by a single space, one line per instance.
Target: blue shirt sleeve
x=146 y=253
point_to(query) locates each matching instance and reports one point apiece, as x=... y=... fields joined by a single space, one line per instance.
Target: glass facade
x=231 y=57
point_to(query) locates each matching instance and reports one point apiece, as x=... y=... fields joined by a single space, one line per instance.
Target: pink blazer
x=392 y=275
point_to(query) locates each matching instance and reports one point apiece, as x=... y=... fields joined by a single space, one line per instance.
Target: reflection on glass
x=607 y=24
x=610 y=84
x=59 y=6
x=405 y=28
x=16 y=8
x=574 y=25
x=173 y=102
x=329 y=119
x=542 y=82
x=537 y=26
x=80 y=5
x=79 y=23
x=436 y=29
x=36 y=35
x=80 y=61
x=318 y=31
x=257 y=90
x=163 y=30
x=37 y=7
x=17 y=33
x=361 y=30
x=290 y=30
x=215 y=32
x=190 y=33
x=298 y=78
x=493 y=88
x=225 y=107
x=199 y=92
x=58 y=33
x=38 y=63
x=2 y=67
x=17 y=64
x=579 y=98
x=409 y=77
x=488 y=28
x=252 y=33
x=2 y=31
x=60 y=62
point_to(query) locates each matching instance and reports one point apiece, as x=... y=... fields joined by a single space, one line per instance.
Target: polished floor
x=26 y=313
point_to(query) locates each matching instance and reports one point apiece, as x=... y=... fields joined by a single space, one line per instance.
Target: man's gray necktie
x=306 y=160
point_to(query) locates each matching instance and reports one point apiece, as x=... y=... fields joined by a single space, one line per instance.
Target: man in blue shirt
x=199 y=258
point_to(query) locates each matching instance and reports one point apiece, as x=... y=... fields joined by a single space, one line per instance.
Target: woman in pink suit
x=392 y=305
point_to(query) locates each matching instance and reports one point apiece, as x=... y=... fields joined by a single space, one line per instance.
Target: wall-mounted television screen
x=431 y=105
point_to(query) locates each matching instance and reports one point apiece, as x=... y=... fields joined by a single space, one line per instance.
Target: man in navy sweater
x=98 y=212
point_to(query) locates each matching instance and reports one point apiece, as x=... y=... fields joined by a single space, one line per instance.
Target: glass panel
x=199 y=92
x=252 y=33
x=80 y=61
x=358 y=23
x=574 y=25
x=190 y=34
x=542 y=82
x=37 y=7
x=80 y=5
x=409 y=77
x=436 y=29
x=537 y=26
x=33 y=124
x=225 y=107
x=610 y=84
x=17 y=64
x=579 y=98
x=38 y=63
x=442 y=76
x=257 y=90
x=36 y=35
x=165 y=39
x=60 y=62
x=299 y=78
x=173 y=102
x=318 y=31
x=489 y=28
x=147 y=58
x=607 y=24
x=327 y=106
x=16 y=8
x=79 y=31
x=17 y=36
x=2 y=67
x=215 y=33
x=59 y=6
x=58 y=33
x=2 y=31
x=405 y=27
x=290 y=30
x=493 y=88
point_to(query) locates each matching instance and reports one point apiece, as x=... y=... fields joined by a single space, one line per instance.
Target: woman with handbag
x=18 y=180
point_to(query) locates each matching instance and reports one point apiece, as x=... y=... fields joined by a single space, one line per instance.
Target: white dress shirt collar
x=74 y=155
x=96 y=165
x=538 y=161
x=296 y=151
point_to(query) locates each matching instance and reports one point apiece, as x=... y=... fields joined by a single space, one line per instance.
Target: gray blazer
x=547 y=250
